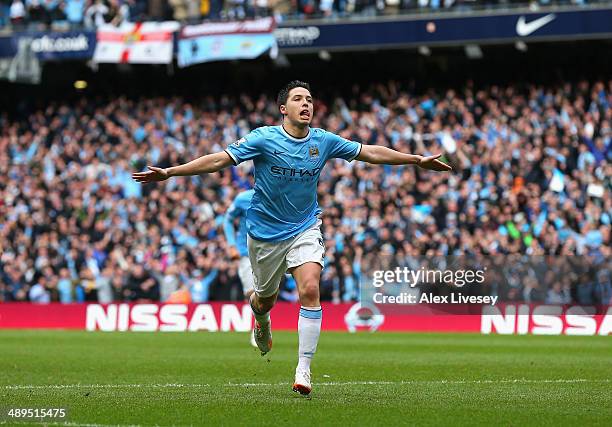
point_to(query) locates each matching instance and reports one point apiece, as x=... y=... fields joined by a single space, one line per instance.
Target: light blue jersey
x=287 y=171
x=238 y=209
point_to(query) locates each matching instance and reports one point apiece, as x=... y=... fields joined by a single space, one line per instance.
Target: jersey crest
x=313 y=152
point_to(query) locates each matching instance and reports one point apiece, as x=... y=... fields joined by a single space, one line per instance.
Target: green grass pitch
x=358 y=379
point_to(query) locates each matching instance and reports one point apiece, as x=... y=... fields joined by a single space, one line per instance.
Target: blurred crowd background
x=531 y=184
x=44 y=14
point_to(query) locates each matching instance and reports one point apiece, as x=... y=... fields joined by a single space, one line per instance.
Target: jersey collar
x=306 y=138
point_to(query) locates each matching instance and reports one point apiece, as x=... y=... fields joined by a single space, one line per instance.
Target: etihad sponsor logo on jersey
x=290 y=172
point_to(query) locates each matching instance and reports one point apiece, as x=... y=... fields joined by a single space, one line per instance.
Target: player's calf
x=262 y=330
x=309 y=329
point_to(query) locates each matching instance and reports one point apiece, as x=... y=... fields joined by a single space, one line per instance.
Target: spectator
x=137 y=10
x=603 y=287
x=36 y=12
x=199 y=286
x=169 y=283
x=87 y=283
x=5 y=8
x=326 y=6
x=55 y=12
x=558 y=295
x=585 y=294
x=75 y=10
x=180 y=296
x=193 y=11
x=120 y=291
x=142 y=286
x=179 y=8
x=235 y=10
x=64 y=287
x=104 y=287
x=17 y=13
x=261 y=8
x=38 y=293
x=95 y=15
x=280 y=8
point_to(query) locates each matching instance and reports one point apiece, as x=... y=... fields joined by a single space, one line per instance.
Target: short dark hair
x=281 y=99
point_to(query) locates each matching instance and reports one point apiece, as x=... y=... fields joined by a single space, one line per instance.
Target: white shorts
x=245 y=272
x=270 y=260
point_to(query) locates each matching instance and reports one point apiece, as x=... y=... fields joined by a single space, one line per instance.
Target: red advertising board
x=219 y=316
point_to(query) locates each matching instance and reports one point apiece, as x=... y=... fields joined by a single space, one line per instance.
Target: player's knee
x=310 y=288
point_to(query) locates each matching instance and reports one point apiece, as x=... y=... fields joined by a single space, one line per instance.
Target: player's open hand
x=233 y=252
x=433 y=164
x=152 y=175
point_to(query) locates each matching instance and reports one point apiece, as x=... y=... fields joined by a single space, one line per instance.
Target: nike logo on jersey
x=279 y=152
x=524 y=28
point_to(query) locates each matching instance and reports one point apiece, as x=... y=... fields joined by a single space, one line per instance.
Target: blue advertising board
x=445 y=29
x=52 y=46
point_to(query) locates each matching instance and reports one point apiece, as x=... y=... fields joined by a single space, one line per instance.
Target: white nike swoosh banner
x=524 y=28
x=136 y=43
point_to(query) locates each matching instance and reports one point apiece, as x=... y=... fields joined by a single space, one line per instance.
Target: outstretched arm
x=205 y=164
x=230 y=232
x=378 y=154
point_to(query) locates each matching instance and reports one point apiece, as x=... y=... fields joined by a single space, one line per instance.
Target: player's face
x=299 y=107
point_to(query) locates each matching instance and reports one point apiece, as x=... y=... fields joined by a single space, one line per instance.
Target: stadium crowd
x=40 y=14
x=531 y=182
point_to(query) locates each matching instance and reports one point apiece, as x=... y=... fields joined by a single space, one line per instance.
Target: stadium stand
x=40 y=14
x=533 y=179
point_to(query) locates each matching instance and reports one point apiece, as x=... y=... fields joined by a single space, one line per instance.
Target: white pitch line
x=324 y=384
x=94 y=386
x=416 y=382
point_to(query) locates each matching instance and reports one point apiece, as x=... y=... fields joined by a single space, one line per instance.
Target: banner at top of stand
x=263 y=25
x=484 y=27
x=225 y=41
x=136 y=43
